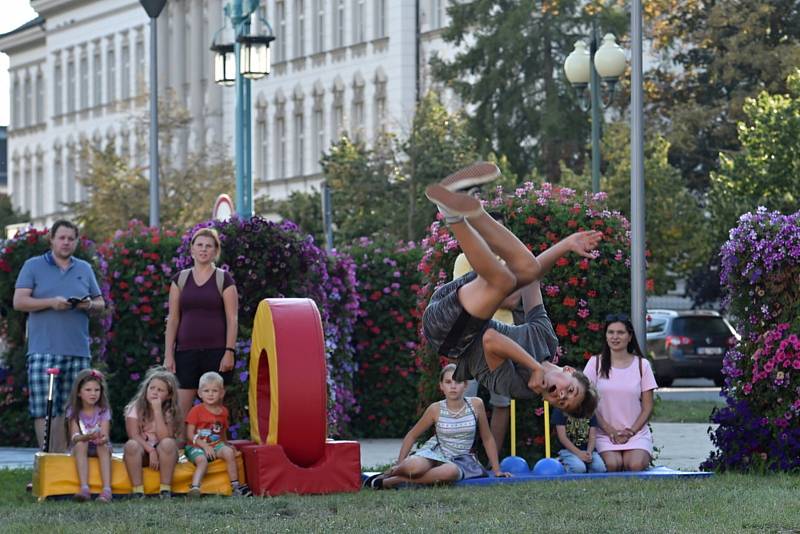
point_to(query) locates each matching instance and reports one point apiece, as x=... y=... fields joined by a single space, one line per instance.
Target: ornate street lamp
x=584 y=69
x=239 y=58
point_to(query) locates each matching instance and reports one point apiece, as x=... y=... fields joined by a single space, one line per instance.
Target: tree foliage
x=677 y=241
x=509 y=68
x=119 y=190
x=716 y=54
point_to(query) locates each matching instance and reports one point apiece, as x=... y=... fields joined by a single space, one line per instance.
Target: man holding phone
x=59 y=292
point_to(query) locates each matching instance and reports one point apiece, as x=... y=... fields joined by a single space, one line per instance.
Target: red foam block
x=270 y=472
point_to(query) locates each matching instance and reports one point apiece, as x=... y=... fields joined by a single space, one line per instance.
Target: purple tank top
x=203 y=324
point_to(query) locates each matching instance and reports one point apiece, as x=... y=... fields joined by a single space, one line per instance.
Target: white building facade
x=80 y=71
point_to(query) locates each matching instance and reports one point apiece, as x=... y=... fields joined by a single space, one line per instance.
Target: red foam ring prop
x=270 y=472
x=53 y=371
x=302 y=375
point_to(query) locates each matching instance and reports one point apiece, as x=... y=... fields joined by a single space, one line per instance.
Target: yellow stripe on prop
x=264 y=341
x=546 y=429
x=513 y=427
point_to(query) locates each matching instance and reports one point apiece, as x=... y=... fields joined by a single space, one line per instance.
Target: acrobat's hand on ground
x=502 y=474
x=583 y=243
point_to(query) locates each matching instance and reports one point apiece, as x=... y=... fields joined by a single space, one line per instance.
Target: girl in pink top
x=153 y=421
x=89 y=419
x=625 y=382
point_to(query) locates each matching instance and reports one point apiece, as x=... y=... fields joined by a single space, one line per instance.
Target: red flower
x=531 y=220
x=572 y=223
x=573 y=281
x=539 y=440
x=591 y=293
x=593 y=326
x=562 y=261
x=650 y=284
x=572 y=323
x=584 y=264
x=570 y=302
x=562 y=330
x=574 y=338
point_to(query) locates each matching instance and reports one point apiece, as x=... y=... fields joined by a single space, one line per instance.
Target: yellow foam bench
x=55 y=474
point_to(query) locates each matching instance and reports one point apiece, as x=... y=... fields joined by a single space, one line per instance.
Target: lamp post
x=237 y=62
x=638 y=264
x=584 y=69
x=153 y=9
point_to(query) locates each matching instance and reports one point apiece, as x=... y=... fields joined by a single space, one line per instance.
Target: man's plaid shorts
x=39 y=381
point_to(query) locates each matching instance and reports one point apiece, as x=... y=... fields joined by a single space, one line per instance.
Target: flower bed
x=385 y=337
x=578 y=293
x=140 y=266
x=759 y=428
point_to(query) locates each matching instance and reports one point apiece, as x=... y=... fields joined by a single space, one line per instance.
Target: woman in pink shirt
x=625 y=381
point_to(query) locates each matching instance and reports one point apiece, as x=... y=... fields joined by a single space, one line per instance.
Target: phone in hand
x=74 y=301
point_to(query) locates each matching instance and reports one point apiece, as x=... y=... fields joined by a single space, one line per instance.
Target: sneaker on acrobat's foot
x=241 y=491
x=453 y=205
x=473 y=175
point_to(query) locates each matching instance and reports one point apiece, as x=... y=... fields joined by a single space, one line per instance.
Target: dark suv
x=688 y=344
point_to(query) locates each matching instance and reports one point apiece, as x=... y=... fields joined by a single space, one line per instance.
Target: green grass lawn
x=722 y=503
x=684 y=411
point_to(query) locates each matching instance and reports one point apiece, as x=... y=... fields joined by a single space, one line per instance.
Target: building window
x=111 y=72
x=280 y=38
x=84 y=81
x=39 y=98
x=319 y=25
x=97 y=79
x=126 y=70
x=17 y=107
x=39 y=187
x=436 y=14
x=280 y=143
x=58 y=179
x=359 y=21
x=380 y=18
x=338 y=113
x=318 y=130
x=58 y=89
x=299 y=139
x=28 y=119
x=338 y=23
x=70 y=85
x=262 y=145
x=380 y=106
x=299 y=28
x=140 y=84
x=70 y=197
x=28 y=184
x=357 y=120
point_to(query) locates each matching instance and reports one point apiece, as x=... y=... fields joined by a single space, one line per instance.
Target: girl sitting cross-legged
x=445 y=457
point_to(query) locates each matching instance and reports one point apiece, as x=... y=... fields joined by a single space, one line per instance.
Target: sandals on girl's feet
x=105 y=495
x=194 y=492
x=83 y=495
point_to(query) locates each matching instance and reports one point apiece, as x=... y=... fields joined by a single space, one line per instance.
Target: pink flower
x=747 y=388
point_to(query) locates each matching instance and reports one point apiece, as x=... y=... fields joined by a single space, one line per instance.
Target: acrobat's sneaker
x=476 y=174
x=453 y=204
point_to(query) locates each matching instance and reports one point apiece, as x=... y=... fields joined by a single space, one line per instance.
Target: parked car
x=688 y=344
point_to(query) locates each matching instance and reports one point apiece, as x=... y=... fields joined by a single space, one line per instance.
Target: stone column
x=198 y=56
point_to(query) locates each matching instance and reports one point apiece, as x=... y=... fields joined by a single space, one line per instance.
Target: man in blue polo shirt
x=59 y=292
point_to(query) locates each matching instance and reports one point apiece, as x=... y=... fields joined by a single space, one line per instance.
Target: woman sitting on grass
x=445 y=457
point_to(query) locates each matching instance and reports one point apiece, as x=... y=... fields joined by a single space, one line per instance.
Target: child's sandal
x=83 y=495
x=105 y=495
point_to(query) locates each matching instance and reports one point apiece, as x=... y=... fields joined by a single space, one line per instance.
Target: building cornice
x=21 y=39
x=47 y=8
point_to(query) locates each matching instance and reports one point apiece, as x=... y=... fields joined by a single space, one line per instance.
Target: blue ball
x=548 y=467
x=514 y=464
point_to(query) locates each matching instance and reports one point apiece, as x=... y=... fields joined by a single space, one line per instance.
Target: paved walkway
x=682 y=446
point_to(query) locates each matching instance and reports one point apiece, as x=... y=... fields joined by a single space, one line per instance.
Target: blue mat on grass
x=654 y=472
